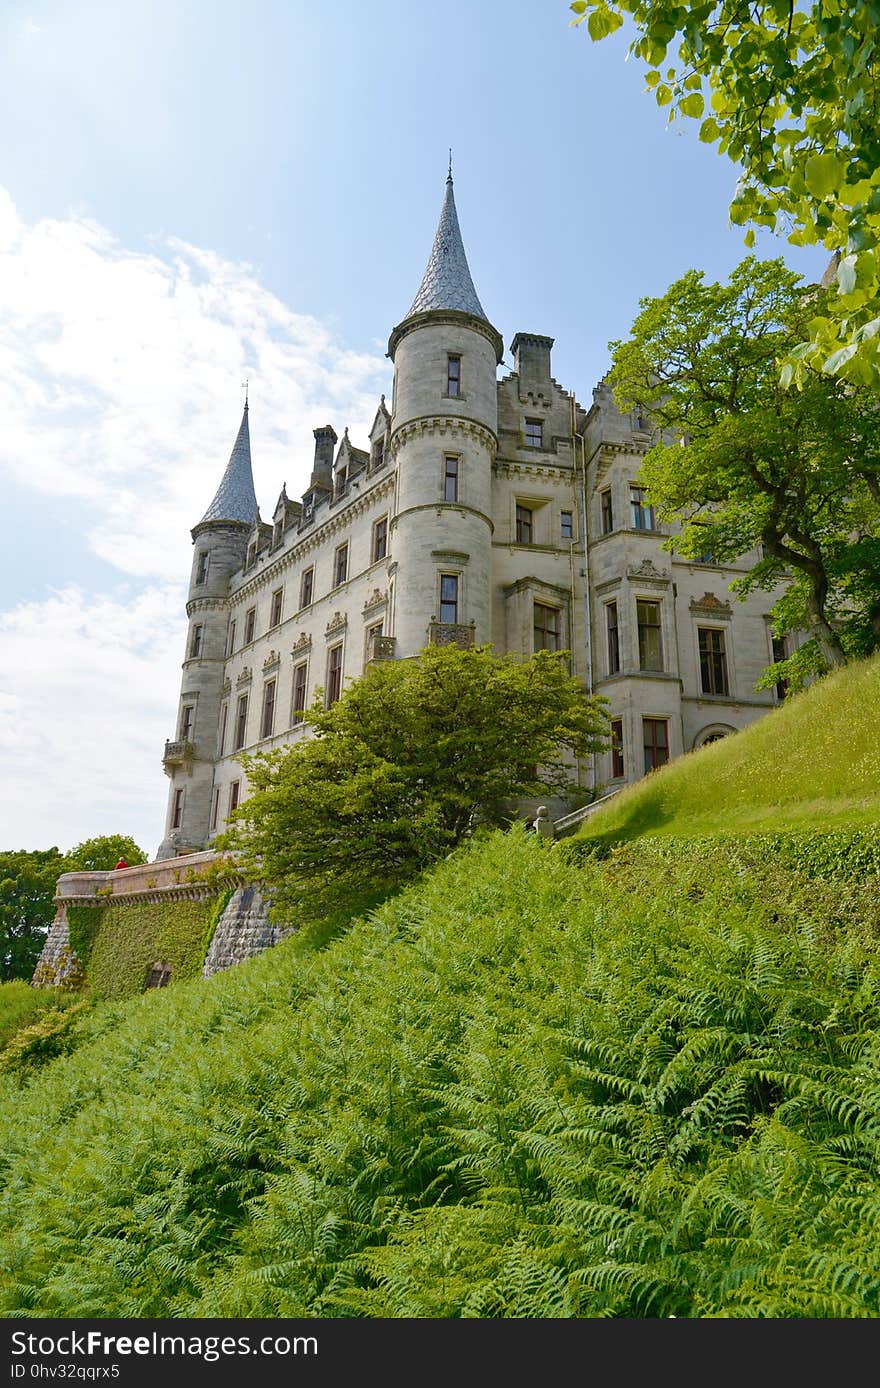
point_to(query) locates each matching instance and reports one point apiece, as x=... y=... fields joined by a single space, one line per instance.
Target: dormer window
x=252 y=553
x=534 y=433
x=378 y=453
x=340 y=481
x=453 y=375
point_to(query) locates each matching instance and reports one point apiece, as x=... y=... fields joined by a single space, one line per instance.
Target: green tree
x=788 y=91
x=27 y=886
x=103 y=853
x=403 y=767
x=791 y=475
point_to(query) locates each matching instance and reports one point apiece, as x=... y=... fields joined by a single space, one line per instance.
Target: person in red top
x=122 y=863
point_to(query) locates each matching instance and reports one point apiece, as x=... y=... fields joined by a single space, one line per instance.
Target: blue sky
x=193 y=193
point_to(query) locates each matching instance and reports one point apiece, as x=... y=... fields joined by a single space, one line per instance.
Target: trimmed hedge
x=835 y=853
x=129 y=938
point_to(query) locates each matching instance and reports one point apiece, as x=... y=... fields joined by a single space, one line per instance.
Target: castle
x=482 y=510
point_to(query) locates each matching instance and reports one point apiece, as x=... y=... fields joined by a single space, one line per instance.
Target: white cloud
x=88 y=694
x=120 y=376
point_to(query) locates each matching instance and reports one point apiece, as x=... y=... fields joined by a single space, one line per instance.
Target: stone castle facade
x=482 y=509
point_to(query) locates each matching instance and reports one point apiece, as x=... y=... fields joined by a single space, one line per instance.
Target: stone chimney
x=531 y=359
x=322 y=470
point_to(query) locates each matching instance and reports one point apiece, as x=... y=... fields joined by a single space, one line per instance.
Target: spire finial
x=246 y=383
x=449 y=175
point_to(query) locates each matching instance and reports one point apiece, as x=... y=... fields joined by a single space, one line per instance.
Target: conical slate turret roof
x=236 y=499
x=447 y=281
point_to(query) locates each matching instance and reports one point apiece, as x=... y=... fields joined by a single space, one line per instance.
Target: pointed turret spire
x=236 y=499
x=447 y=281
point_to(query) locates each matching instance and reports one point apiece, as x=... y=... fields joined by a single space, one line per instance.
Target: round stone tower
x=219 y=548
x=444 y=435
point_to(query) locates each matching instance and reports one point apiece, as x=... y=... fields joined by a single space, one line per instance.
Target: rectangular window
x=450 y=479
x=534 y=433
x=780 y=651
x=177 y=809
x=202 y=566
x=306 y=588
x=334 y=674
x=449 y=597
x=613 y=638
x=453 y=375
x=221 y=735
x=277 y=601
x=607 y=511
x=215 y=808
x=233 y=795
x=380 y=539
x=378 y=453
x=250 y=623
x=523 y=525
x=547 y=627
x=650 y=642
x=186 y=722
x=655 y=735
x=713 y=661
x=642 y=512
x=267 y=721
x=230 y=643
x=299 y=693
x=566 y=525
x=195 y=645
x=240 y=723
x=340 y=565
x=616 y=748
x=372 y=635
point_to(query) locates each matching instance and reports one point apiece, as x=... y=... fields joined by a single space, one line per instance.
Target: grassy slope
x=812 y=763
x=524 y=1087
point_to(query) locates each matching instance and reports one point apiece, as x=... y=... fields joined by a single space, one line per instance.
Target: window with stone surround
x=159 y=976
x=713 y=661
x=306 y=588
x=534 y=433
x=453 y=375
x=240 y=723
x=334 y=674
x=230 y=641
x=524 y=525
x=617 y=768
x=650 y=638
x=613 y=632
x=177 y=808
x=267 y=720
x=215 y=808
x=277 y=603
x=340 y=565
x=642 y=511
x=547 y=626
x=449 y=598
x=566 y=525
x=450 y=477
x=221 y=735
x=187 y=714
x=195 y=645
x=371 y=635
x=202 y=566
x=606 y=507
x=378 y=453
x=380 y=539
x=300 y=678
x=250 y=625
x=655 y=737
x=234 y=791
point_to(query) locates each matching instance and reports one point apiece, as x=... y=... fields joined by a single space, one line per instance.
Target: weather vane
x=245 y=384
x=450 y=163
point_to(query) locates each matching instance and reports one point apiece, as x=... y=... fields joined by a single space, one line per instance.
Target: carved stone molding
x=272 y=659
x=711 y=606
x=302 y=643
x=443 y=425
x=245 y=676
x=648 y=573
x=338 y=622
x=376 y=599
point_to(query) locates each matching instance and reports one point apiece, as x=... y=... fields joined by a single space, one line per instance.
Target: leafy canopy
x=788 y=479
x=789 y=93
x=404 y=766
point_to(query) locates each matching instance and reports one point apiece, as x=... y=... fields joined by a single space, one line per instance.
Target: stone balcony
x=178 y=754
x=382 y=648
x=450 y=633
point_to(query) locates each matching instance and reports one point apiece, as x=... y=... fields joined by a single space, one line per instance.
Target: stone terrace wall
x=244 y=928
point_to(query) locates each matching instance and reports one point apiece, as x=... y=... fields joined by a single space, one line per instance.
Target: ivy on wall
x=122 y=942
